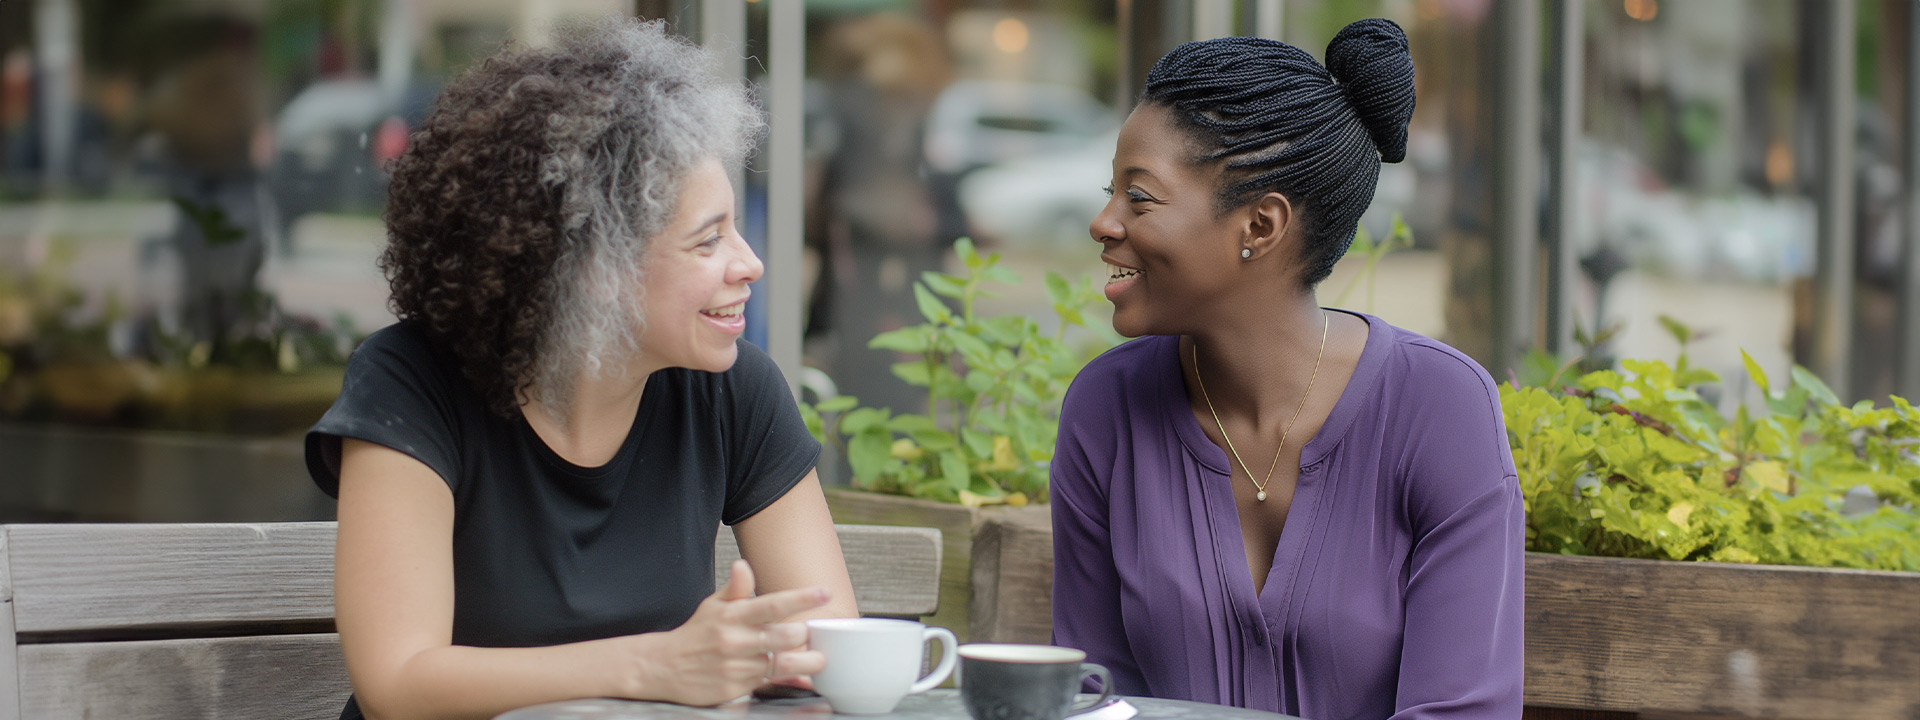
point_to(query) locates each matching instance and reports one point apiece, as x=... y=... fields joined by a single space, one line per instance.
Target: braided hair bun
x=1277 y=121
x=1370 y=60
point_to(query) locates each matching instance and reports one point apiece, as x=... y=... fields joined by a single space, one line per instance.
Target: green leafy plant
x=211 y=220
x=994 y=386
x=1635 y=463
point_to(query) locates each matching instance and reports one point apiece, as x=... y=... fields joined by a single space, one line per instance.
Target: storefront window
x=190 y=199
x=932 y=122
x=1696 y=169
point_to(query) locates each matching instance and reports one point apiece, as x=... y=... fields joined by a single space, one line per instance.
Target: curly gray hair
x=520 y=214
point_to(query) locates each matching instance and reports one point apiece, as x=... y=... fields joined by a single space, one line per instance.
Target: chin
x=1129 y=326
x=721 y=361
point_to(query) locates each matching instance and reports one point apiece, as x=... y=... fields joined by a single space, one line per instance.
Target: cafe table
x=934 y=705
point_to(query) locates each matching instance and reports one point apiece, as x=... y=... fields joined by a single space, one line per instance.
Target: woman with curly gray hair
x=531 y=464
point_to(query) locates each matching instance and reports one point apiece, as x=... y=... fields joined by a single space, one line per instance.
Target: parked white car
x=1046 y=199
x=975 y=123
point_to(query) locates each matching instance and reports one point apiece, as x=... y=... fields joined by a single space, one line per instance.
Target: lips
x=1120 y=278
x=728 y=319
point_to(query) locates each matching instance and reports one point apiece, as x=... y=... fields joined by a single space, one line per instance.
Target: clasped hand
x=734 y=643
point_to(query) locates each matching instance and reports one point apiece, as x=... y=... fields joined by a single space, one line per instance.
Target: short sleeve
x=398 y=393
x=768 y=447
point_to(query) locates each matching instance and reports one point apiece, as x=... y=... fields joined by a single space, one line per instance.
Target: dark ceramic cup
x=1000 y=681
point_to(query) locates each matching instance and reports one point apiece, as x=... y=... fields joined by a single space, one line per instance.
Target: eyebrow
x=712 y=221
x=1137 y=170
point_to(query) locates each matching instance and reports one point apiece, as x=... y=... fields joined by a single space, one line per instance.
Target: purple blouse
x=1397 y=586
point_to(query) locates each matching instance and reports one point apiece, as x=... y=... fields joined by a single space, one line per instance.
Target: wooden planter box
x=1620 y=638
x=1768 y=641
x=1013 y=580
x=957 y=525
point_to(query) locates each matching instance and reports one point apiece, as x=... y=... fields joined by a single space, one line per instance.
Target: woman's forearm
x=734 y=642
x=459 y=681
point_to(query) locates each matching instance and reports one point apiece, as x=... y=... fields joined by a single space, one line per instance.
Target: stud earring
x=1246 y=253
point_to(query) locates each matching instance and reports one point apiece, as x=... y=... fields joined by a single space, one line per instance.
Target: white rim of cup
x=1021 y=653
x=863 y=624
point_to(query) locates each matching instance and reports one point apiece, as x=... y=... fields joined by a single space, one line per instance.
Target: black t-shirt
x=546 y=552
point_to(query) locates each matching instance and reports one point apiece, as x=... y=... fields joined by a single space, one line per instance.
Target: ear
x=1268 y=219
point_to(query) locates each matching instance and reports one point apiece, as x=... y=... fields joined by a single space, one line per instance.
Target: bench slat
x=281 y=676
x=111 y=577
x=895 y=570
x=94 y=576
x=9 y=667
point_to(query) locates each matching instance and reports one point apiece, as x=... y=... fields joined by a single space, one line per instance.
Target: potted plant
x=1636 y=465
x=994 y=385
x=1636 y=462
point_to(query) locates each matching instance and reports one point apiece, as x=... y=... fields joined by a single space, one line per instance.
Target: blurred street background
x=191 y=191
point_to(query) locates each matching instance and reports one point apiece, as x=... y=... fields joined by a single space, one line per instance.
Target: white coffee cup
x=873 y=663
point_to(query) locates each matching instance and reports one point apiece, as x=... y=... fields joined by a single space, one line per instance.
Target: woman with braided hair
x=1262 y=502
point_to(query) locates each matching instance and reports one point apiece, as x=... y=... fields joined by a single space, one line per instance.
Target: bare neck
x=1259 y=364
x=590 y=429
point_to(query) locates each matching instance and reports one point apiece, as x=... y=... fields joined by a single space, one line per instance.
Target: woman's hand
x=393 y=584
x=734 y=643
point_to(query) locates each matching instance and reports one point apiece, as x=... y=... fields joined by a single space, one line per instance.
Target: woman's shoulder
x=1421 y=367
x=406 y=340
x=401 y=348
x=1125 y=367
x=401 y=391
x=1124 y=385
x=1445 y=410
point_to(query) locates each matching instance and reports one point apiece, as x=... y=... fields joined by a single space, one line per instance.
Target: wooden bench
x=1619 y=639
x=168 y=621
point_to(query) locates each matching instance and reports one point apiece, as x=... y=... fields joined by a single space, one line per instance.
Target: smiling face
x=698 y=269
x=1172 y=258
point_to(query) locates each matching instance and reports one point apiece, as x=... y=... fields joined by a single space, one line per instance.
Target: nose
x=1106 y=226
x=746 y=266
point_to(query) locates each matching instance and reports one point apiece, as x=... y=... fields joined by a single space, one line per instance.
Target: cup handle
x=949 y=653
x=1088 y=670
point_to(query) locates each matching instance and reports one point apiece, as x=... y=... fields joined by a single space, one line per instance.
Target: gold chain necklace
x=1260 y=487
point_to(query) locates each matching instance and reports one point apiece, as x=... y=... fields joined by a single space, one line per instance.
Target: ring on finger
x=766 y=649
x=773 y=659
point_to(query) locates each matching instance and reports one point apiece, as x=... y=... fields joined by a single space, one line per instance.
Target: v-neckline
x=1217 y=491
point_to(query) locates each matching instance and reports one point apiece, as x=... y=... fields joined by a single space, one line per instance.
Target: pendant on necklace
x=1261 y=496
